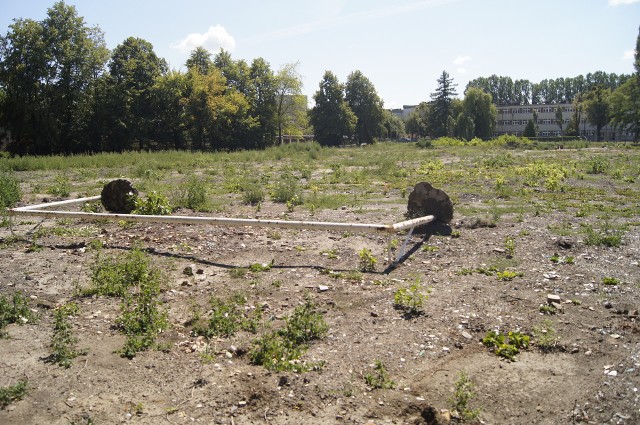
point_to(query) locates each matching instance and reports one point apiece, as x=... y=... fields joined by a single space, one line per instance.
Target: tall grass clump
x=10 y=192
x=113 y=276
x=193 y=194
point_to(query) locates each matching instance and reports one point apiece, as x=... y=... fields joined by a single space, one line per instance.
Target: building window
x=545 y=133
x=507 y=122
x=526 y=110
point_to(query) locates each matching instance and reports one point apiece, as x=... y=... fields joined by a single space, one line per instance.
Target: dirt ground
x=592 y=374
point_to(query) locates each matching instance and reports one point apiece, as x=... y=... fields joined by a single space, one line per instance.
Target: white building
x=513 y=119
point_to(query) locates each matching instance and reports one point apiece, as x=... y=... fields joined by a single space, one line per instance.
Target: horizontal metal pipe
x=220 y=221
x=57 y=203
x=413 y=222
x=36 y=210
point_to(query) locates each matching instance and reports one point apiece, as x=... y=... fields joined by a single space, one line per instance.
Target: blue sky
x=402 y=46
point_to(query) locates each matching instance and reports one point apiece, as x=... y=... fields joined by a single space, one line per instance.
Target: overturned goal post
x=424 y=201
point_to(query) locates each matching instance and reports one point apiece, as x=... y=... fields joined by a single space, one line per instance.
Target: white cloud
x=628 y=54
x=215 y=38
x=460 y=60
x=620 y=2
x=462 y=70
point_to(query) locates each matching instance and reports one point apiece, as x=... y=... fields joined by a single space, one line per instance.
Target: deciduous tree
x=597 y=108
x=331 y=117
x=365 y=103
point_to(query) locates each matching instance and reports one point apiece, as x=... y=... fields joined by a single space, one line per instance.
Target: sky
x=401 y=46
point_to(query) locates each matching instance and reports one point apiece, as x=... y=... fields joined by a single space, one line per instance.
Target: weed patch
x=14 y=310
x=462 y=396
x=63 y=341
x=506 y=346
x=12 y=393
x=113 y=276
x=379 y=378
x=281 y=350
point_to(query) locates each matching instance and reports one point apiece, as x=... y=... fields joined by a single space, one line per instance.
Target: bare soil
x=591 y=375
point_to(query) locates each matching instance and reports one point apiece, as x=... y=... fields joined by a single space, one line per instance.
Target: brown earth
x=590 y=376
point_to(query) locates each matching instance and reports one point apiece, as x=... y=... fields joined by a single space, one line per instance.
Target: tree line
x=599 y=98
x=63 y=91
x=506 y=91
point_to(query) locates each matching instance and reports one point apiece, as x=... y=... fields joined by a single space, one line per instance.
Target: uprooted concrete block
x=427 y=200
x=118 y=196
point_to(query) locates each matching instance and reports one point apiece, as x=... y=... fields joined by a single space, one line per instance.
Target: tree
x=200 y=60
x=530 y=129
x=559 y=119
x=288 y=83
x=365 y=103
x=597 y=108
x=417 y=122
x=262 y=98
x=133 y=71
x=393 y=125
x=331 y=117
x=169 y=97
x=625 y=101
x=441 y=116
x=477 y=117
x=48 y=71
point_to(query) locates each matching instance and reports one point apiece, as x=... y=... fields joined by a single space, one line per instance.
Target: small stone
x=607 y=304
x=242 y=403
x=575 y=350
x=374 y=314
x=553 y=298
x=613 y=373
x=615 y=336
x=323 y=288
x=467 y=335
x=557 y=306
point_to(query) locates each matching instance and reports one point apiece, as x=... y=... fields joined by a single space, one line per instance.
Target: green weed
x=12 y=393
x=544 y=335
x=63 y=341
x=379 y=378
x=14 y=310
x=367 y=261
x=506 y=346
x=281 y=350
x=113 y=276
x=141 y=318
x=411 y=298
x=154 y=204
x=610 y=281
x=462 y=396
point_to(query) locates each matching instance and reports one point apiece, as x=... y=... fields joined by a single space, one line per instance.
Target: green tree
x=625 y=101
x=288 y=82
x=597 y=108
x=48 y=71
x=477 y=117
x=133 y=70
x=262 y=98
x=214 y=111
x=441 y=116
x=169 y=97
x=200 y=60
x=417 y=122
x=331 y=117
x=365 y=103
x=393 y=125
x=559 y=119
x=530 y=129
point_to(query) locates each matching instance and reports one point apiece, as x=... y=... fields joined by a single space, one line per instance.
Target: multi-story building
x=512 y=119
